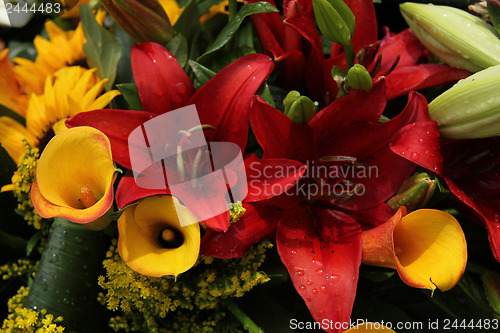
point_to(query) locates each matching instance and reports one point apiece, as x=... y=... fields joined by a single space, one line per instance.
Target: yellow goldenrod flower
x=427 y=247
x=74 y=177
x=69 y=91
x=64 y=48
x=151 y=240
x=11 y=95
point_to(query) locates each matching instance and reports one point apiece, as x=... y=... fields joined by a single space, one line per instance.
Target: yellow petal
x=427 y=247
x=433 y=249
x=172 y=9
x=75 y=158
x=140 y=228
x=10 y=92
x=12 y=134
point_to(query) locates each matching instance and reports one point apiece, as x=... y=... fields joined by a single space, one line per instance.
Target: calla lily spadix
x=427 y=247
x=151 y=240
x=75 y=176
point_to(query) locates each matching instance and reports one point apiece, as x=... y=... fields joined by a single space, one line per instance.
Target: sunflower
x=69 y=91
x=63 y=48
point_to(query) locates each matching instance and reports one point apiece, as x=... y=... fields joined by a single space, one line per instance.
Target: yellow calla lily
x=151 y=240
x=427 y=247
x=369 y=328
x=75 y=176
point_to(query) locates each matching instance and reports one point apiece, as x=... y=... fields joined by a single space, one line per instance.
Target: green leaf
x=116 y=215
x=186 y=25
x=22 y=49
x=129 y=92
x=179 y=48
x=33 y=241
x=202 y=73
x=494 y=13
x=266 y=94
x=6 y=112
x=231 y=27
x=101 y=49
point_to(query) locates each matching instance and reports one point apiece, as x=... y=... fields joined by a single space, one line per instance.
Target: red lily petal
x=161 y=82
x=128 y=192
x=117 y=125
x=270 y=30
x=321 y=250
x=278 y=135
x=258 y=222
x=369 y=143
x=419 y=143
x=404 y=79
x=268 y=178
x=358 y=106
x=403 y=45
x=490 y=218
x=372 y=217
x=224 y=101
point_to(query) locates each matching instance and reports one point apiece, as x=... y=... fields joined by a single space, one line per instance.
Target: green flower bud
x=144 y=20
x=471 y=108
x=491 y=285
x=331 y=23
x=415 y=193
x=302 y=110
x=359 y=78
x=456 y=37
x=290 y=99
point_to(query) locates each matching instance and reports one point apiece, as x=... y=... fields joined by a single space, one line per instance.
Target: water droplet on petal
x=322 y=288
x=315 y=291
x=300 y=272
x=302 y=287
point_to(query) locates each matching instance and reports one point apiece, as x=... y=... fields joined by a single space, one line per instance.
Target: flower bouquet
x=260 y=166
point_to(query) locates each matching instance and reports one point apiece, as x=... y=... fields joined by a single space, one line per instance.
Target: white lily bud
x=471 y=108
x=456 y=37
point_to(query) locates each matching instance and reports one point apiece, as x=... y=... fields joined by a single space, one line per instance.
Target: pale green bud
x=471 y=108
x=359 y=78
x=415 y=192
x=331 y=23
x=302 y=110
x=456 y=37
x=290 y=98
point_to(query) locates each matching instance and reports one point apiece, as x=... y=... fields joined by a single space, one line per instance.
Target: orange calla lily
x=75 y=176
x=427 y=247
x=151 y=240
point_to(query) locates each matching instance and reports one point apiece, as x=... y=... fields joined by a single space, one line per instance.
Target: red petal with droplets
x=117 y=125
x=419 y=143
x=258 y=222
x=405 y=79
x=358 y=106
x=224 y=101
x=321 y=250
x=267 y=178
x=278 y=135
x=161 y=82
x=384 y=171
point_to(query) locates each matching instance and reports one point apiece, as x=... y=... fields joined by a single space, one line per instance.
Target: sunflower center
x=170 y=238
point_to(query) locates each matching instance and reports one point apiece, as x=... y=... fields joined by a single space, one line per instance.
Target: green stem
x=18 y=244
x=349 y=55
x=243 y=318
x=233 y=9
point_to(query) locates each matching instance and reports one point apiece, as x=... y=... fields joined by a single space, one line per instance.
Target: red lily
x=402 y=61
x=471 y=171
x=318 y=238
x=163 y=86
